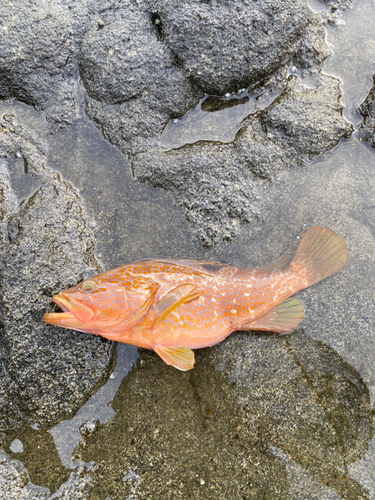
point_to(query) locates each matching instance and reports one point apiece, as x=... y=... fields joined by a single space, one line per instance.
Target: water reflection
x=212 y=432
x=39 y=456
x=218 y=118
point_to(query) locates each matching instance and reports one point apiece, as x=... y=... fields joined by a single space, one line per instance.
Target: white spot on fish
x=213 y=299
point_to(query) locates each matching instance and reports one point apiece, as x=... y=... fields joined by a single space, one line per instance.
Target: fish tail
x=320 y=254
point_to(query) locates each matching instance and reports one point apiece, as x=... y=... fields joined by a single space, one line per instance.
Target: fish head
x=99 y=306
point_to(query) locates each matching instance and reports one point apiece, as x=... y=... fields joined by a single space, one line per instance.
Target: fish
x=176 y=306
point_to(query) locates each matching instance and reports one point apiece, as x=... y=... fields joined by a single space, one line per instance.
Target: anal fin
x=181 y=358
x=280 y=319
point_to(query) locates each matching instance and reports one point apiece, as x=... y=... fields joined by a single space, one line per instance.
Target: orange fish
x=174 y=306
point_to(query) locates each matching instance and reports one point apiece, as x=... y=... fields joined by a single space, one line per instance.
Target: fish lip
x=57 y=318
x=72 y=310
x=62 y=302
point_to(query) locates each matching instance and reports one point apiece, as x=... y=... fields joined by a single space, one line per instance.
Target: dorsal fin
x=277 y=265
x=206 y=268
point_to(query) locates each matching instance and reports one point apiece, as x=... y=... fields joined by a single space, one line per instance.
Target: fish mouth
x=74 y=314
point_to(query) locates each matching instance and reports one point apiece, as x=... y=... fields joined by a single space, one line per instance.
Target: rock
x=148 y=63
x=301 y=377
x=219 y=429
x=146 y=66
x=48 y=373
x=36 y=51
x=367 y=110
x=15 y=483
x=217 y=193
x=295 y=122
x=218 y=184
x=233 y=45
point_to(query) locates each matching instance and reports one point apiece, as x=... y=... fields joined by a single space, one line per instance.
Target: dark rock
x=231 y=45
x=15 y=483
x=36 y=51
x=218 y=194
x=140 y=76
x=295 y=122
x=52 y=372
x=367 y=110
x=218 y=184
x=147 y=63
x=300 y=383
x=216 y=431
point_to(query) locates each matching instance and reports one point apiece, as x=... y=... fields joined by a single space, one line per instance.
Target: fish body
x=174 y=306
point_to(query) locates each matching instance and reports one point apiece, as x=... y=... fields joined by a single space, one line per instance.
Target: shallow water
x=134 y=221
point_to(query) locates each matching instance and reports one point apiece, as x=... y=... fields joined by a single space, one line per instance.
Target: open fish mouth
x=73 y=312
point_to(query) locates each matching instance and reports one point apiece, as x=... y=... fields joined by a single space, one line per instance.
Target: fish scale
x=174 y=306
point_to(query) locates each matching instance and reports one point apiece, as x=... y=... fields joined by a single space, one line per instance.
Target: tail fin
x=320 y=253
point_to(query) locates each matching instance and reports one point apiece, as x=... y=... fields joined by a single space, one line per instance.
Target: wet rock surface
x=36 y=56
x=144 y=64
x=367 y=110
x=259 y=416
x=132 y=107
x=16 y=483
x=47 y=247
x=262 y=394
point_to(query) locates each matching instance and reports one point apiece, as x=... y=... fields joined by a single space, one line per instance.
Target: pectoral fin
x=181 y=358
x=282 y=318
x=173 y=299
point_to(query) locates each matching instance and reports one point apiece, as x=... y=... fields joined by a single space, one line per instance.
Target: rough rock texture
x=235 y=43
x=148 y=62
x=48 y=247
x=218 y=184
x=198 y=434
x=367 y=110
x=140 y=65
x=15 y=483
x=36 y=53
x=146 y=65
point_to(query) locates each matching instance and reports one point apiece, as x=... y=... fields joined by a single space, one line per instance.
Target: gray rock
x=15 y=483
x=218 y=194
x=218 y=184
x=367 y=110
x=233 y=44
x=16 y=446
x=10 y=414
x=215 y=431
x=36 y=51
x=147 y=63
x=295 y=122
x=146 y=66
x=50 y=373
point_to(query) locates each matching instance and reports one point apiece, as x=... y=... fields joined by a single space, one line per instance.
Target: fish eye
x=88 y=286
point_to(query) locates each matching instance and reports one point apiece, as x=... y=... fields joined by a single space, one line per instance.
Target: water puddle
x=217 y=118
x=353 y=58
x=68 y=434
